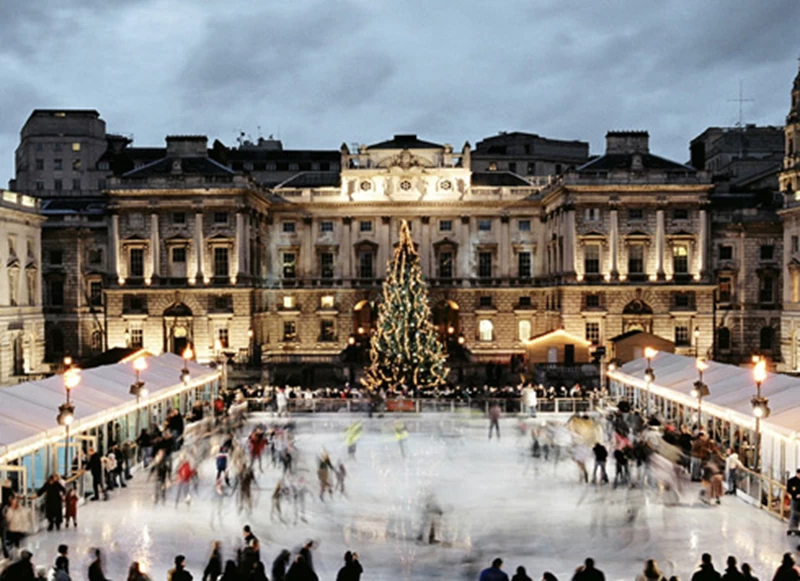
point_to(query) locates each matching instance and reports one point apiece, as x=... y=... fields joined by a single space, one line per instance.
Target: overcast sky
x=317 y=73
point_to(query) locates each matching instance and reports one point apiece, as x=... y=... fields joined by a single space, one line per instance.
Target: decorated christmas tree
x=404 y=349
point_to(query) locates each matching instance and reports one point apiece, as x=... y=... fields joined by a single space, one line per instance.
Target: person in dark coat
x=787 y=571
x=95 y=466
x=300 y=571
x=96 y=568
x=21 y=569
x=214 y=566
x=588 y=572
x=706 y=571
x=279 y=565
x=53 y=492
x=732 y=572
x=600 y=458
x=258 y=573
x=230 y=574
x=793 y=490
x=352 y=568
x=179 y=572
x=305 y=552
x=494 y=573
x=521 y=575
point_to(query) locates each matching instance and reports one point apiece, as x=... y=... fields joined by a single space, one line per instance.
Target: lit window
x=289 y=331
x=680 y=259
x=326 y=330
x=326 y=302
x=76 y=146
x=486 y=330
x=591 y=259
x=524 y=330
x=288 y=302
x=76 y=164
x=289 y=261
x=222 y=337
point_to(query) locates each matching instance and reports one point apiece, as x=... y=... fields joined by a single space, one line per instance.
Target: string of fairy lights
x=405 y=351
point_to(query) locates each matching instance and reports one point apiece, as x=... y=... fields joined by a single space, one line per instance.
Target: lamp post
x=760 y=406
x=700 y=390
x=187 y=355
x=138 y=389
x=696 y=340
x=649 y=374
x=250 y=347
x=222 y=361
x=66 y=411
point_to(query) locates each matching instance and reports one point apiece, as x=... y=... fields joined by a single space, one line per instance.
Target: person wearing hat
x=179 y=572
x=21 y=569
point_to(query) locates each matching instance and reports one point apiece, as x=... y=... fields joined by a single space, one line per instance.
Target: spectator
x=495 y=572
x=787 y=571
x=747 y=573
x=17 y=523
x=651 y=572
x=279 y=565
x=352 y=568
x=793 y=490
x=53 y=492
x=21 y=569
x=135 y=573
x=588 y=572
x=214 y=566
x=732 y=572
x=179 y=572
x=96 y=568
x=706 y=571
x=61 y=570
x=521 y=575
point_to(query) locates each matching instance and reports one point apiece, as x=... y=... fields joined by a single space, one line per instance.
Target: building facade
x=21 y=317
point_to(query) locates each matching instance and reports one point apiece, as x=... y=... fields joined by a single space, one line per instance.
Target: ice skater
x=160 y=468
x=277 y=497
x=299 y=492
x=494 y=420
x=323 y=473
x=401 y=435
x=431 y=518
x=257 y=443
x=246 y=480
x=341 y=474
x=352 y=436
x=184 y=478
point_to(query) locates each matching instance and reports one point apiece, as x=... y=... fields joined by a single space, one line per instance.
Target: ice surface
x=495 y=504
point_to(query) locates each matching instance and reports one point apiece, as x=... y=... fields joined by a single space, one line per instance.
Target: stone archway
x=637 y=315
x=178 y=328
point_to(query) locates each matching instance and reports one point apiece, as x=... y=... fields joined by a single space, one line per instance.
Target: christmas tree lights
x=404 y=349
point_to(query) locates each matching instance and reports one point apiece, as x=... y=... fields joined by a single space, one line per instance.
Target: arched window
x=486 y=330
x=524 y=329
x=765 y=339
x=97 y=341
x=724 y=338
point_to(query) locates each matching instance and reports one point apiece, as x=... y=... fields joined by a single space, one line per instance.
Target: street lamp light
x=66 y=411
x=696 y=340
x=760 y=405
x=187 y=355
x=137 y=388
x=649 y=374
x=700 y=390
x=222 y=361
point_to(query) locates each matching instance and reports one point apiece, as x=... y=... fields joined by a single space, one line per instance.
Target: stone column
x=505 y=247
x=540 y=257
x=198 y=247
x=426 y=251
x=113 y=255
x=571 y=238
x=464 y=249
x=701 y=244
x=614 y=244
x=660 y=243
x=155 y=250
x=240 y=248
x=307 y=247
x=346 y=249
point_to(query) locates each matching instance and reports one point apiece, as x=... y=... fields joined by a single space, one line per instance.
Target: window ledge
x=486 y=311
x=289 y=312
x=331 y=312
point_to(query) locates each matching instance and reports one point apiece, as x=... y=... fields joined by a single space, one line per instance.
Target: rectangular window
x=680 y=260
x=326 y=330
x=137 y=336
x=326 y=226
x=725 y=252
x=76 y=146
x=445 y=265
x=289 y=331
x=221 y=262
x=636 y=259
x=795 y=244
x=289 y=302
x=288 y=228
x=223 y=338
x=40 y=164
x=136 y=263
x=56 y=256
x=326 y=302
x=593 y=332
x=767 y=251
x=524 y=301
x=524 y=225
x=179 y=254
x=524 y=264
x=592 y=301
x=682 y=336
x=445 y=225
x=56 y=293
x=179 y=218
x=39 y=185
x=636 y=214
x=58 y=164
x=766 y=290
x=486 y=330
x=365 y=226
x=76 y=184
x=289 y=262
x=682 y=300
x=591 y=259
x=680 y=214
x=524 y=330
x=725 y=289
x=96 y=256
x=76 y=165
x=365 y=266
x=592 y=214
x=58 y=185
x=223 y=303
x=326 y=265
x=484 y=225
x=485 y=264
x=220 y=218
x=485 y=301
x=96 y=293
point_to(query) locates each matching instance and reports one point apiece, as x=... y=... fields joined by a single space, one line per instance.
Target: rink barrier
x=763 y=492
x=426 y=405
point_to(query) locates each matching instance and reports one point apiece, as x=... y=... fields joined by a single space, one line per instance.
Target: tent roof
x=730 y=389
x=28 y=410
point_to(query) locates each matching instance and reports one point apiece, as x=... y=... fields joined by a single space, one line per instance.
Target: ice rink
x=494 y=501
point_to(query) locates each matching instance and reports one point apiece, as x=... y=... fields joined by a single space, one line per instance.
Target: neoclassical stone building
x=21 y=318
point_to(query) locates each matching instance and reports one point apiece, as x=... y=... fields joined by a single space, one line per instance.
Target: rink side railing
x=763 y=492
x=425 y=405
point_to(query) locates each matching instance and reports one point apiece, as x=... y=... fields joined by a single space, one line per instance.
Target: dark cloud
x=322 y=72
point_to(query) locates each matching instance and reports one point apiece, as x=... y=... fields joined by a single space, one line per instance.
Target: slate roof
x=74 y=206
x=624 y=162
x=189 y=165
x=312 y=179
x=402 y=141
x=498 y=179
